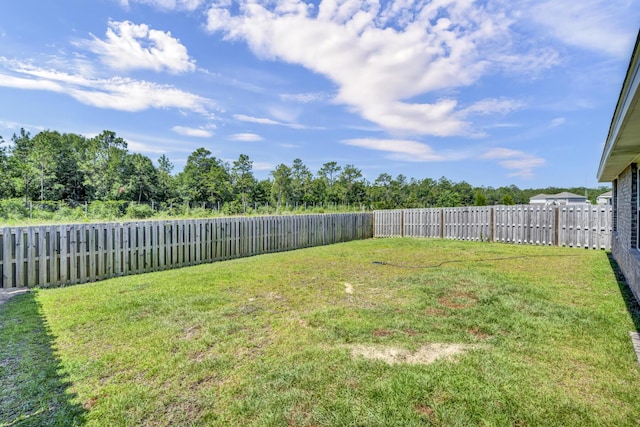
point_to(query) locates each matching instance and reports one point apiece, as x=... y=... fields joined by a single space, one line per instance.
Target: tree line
x=66 y=167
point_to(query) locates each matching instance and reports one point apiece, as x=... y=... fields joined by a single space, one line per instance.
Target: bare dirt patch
x=90 y=403
x=425 y=355
x=425 y=410
x=431 y=311
x=7 y=293
x=191 y=332
x=348 y=288
x=458 y=300
x=476 y=332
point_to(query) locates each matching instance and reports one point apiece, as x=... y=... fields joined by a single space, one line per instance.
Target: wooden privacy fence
x=585 y=226
x=54 y=255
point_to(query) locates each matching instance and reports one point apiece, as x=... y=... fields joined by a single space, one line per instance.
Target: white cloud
x=188 y=5
x=528 y=64
x=259 y=120
x=503 y=125
x=263 y=166
x=195 y=132
x=161 y=143
x=500 y=153
x=597 y=25
x=494 y=106
x=140 y=147
x=520 y=163
x=383 y=56
x=406 y=150
x=115 y=93
x=16 y=126
x=304 y=98
x=557 y=122
x=265 y=121
x=129 y=46
x=246 y=137
x=523 y=167
x=283 y=114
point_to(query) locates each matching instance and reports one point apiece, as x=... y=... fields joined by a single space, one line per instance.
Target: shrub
x=137 y=211
x=111 y=209
x=14 y=209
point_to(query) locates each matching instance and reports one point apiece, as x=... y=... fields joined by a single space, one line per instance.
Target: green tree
x=448 y=199
x=398 y=191
x=262 y=192
x=218 y=183
x=480 y=199
x=380 y=192
x=281 y=187
x=194 y=176
x=142 y=178
x=103 y=165
x=465 y=192
x=242 y=179
x=4 y=167
x=318 y=190
x=329 y=173
x=351 y=186
x=43 y=156
x=301 y=178
x=166 y=182
x=426 y=192
x=507 y=199
x=70 y=179
x=21 y=164
x=204 y=178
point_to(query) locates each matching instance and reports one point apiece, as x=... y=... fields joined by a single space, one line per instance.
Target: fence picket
x=76 y=253
x=576 y=226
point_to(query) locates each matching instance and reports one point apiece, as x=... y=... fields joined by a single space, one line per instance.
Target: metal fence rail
x=55 y=255
x=584 y=226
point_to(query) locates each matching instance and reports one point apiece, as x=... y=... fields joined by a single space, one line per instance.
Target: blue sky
x=490 y=92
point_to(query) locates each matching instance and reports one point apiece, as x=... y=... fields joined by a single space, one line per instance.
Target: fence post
x=491 y=223
x=442 y=223
x=556 y=225
x=402 y=222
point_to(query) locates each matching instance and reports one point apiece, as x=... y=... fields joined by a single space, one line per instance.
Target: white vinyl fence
x=55 y=255
x=584 y=226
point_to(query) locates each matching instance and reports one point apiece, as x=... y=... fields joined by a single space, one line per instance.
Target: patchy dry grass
x=423 y=356
x=503 y=335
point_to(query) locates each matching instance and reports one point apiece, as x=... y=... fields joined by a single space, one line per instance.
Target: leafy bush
x=111 y=209
x=138 y=211
x=13 y=209
x=232 y=208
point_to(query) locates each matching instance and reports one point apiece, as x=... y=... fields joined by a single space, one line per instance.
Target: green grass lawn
x=298 y=338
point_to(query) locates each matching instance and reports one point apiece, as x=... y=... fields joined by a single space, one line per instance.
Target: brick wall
x=625 y=238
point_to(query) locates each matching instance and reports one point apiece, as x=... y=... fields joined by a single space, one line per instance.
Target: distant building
x=563 y=198
x=605 y=198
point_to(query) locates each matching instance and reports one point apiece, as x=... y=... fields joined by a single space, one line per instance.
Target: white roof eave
x=623 y=141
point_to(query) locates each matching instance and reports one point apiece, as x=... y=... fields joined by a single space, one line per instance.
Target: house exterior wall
x=603 y=201
x=558 y=201
x=624 y=244
x=605 y=198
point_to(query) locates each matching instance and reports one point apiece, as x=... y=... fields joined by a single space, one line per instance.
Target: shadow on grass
x=33 y=392
x=632 y=305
